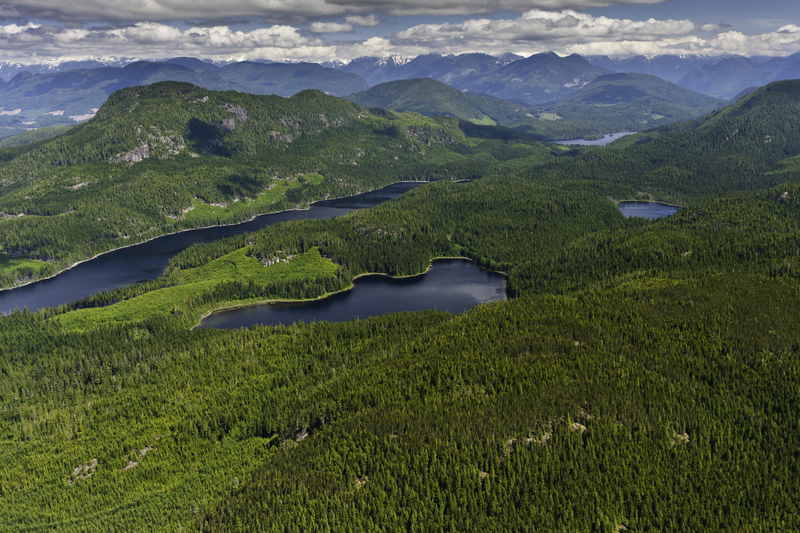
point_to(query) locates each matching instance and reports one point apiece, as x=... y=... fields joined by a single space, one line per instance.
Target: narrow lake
x=596 y=142
x=452 y=285
x=147 y=261
x=649 y=210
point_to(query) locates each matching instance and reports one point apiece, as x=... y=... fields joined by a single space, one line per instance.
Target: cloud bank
x=533 y=31
x=174 y=10
x=569 y=32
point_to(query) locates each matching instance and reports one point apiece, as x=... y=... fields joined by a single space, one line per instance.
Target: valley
x=623 y=374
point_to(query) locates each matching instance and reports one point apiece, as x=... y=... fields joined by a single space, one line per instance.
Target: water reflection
x=651 y=210
x=596 y=142
x=147 y=261
x=450 y=285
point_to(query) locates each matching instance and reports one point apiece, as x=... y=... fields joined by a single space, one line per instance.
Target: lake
x=452 y=285
x=651 y=210
x=596 y=142
x=147 y=261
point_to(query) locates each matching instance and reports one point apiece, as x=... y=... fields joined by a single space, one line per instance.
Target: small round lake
x=452 y=285
x=651 y=210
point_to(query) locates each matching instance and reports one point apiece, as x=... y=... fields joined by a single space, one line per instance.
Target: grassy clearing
x=236 y=266
x=484 y=121
x=10 y=266
x=202 y=212
x=548 y=116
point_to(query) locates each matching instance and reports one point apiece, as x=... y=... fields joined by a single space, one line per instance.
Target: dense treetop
x=171 y=156
x=645 y=376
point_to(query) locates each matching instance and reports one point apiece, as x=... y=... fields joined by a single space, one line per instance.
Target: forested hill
x=661 y=395
x=617 y=102
x=171 y=119
x=740 y=147
x=171 y=156
x=621 y=87
x=645 y=377
x=434 y=98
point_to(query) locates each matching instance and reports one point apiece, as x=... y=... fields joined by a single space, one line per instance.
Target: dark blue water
x=649 y=210
x=451 y=285
x=147 y=261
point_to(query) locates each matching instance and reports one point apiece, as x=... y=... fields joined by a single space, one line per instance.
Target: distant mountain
x=623 y=102
x=624 y=88
x=434 y=98
x=377 y=70
x=610 y=103
x=538 y=79
x=728 y=77
x=147 y=72
x=731 y=75
x=77 y=92
x=668 y=67
x=286 y=79
x=30 y=101
x=194 y=64
x=9 y=69
x=457 y=71
x=460 y=71
x=791 y=71
x=749 y=90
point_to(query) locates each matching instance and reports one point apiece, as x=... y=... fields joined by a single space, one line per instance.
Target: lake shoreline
x=617 y=202
x=350 y=288
x=70 y=267
x=607 y=138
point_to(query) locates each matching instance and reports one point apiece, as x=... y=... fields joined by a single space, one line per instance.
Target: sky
x=36 y=31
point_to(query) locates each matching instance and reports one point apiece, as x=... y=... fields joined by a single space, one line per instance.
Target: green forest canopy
x=645 y=378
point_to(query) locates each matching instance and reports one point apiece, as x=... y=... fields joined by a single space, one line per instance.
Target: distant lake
x=452 y=285
x=147 y=261
x=649 y=210
x=596 y=142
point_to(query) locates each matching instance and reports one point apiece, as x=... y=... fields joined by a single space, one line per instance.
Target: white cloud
x=783 y=42
x=168 y=10
x=569 y=32
x=14 y=29
x=149 y=40
x=331 y=27
x=368 y=22
x=537 y=25
x=163 y=10
x=534 y=31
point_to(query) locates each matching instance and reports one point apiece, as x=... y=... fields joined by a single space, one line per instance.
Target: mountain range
x=452 y=70
x=65 y=97
x=611 y=102
x=546 y=77
x=434 y=98
x=63 y=93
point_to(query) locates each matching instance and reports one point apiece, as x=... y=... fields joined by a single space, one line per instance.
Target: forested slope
x=618 y=102
x=651 y=405
x=171 y=156
x=434 y=98
x=645 y=378
x=500 y=223
x=732 y=149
